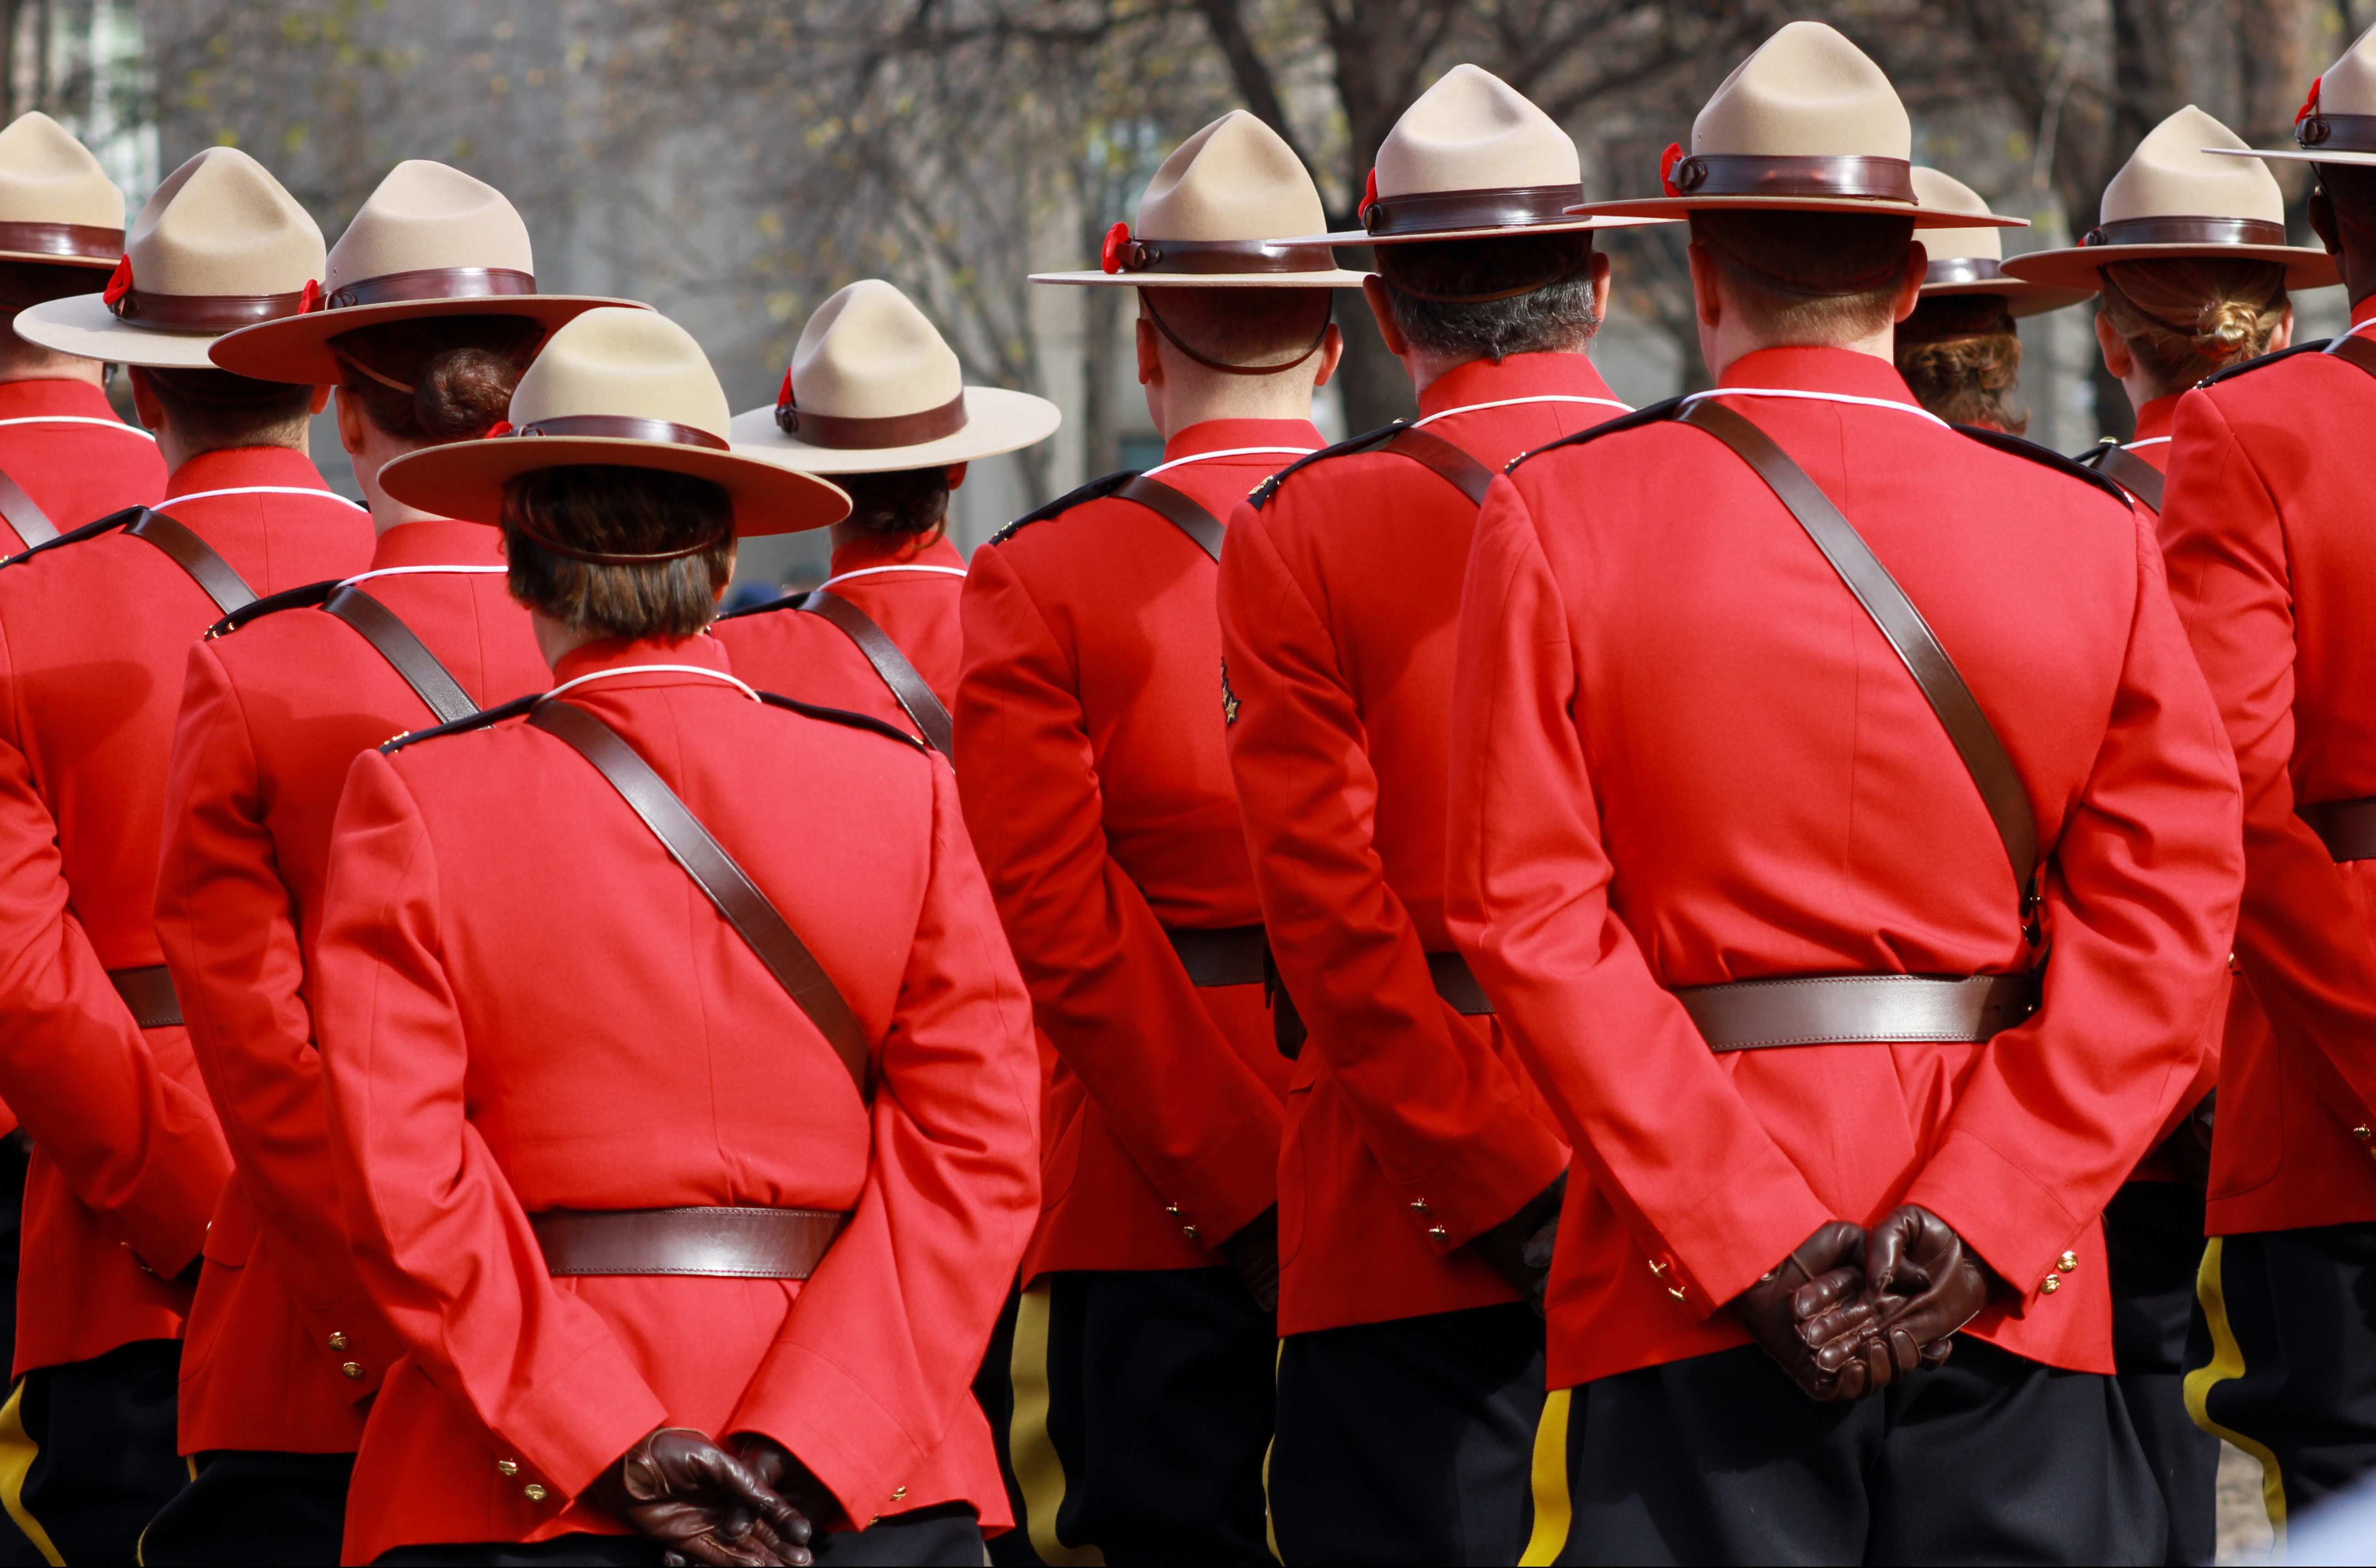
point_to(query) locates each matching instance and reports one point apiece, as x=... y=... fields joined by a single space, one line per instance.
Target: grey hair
x=1441 y=293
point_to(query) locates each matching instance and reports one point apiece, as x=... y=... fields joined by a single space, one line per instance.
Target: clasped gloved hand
x=1254 y=1252
x=701 y=1504
x=1520 y=1248
x=1815 y=1317
x=1924 y=1284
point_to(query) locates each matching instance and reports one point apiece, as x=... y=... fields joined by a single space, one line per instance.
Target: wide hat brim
x=1335 y=278
x=2295 y=155
x=2075 y=267
x=2024 y=297
x=465 y=480
x=81 y=324
x=997 y=420
x=1684 y=206
x=1349 y=237
x=297 y=348
x=79 y=262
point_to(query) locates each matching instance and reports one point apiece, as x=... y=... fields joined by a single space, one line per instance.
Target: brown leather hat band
x=2342 y=133
x=1214 y=257
x=2185 y=232
x=1853 y=176
x=80 y=242
x=844 y=433
x=430 y=283
x=204 y=313
x=1504 y=206
x=1966 y=269
x=619 y=427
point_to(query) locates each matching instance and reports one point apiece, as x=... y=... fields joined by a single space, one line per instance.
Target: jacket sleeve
x=1711 y=1200
x=2302 y=936
x=230 y=934
x=2140 y=903
x=440 y=1239
x=1435 y=1104
x=1108 y=989
x=882 y=1344
x=136 y=1147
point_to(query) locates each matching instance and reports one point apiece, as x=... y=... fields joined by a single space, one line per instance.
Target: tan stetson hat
x=1970 y=261
x=617 y=387
x=1808 y=124
x=2336 y=124
x=56 y=204
x=220 y=246
x=2173 y=200
x=874 y=389
x=431 y=242
x=1213 y=215
x=1470 y=159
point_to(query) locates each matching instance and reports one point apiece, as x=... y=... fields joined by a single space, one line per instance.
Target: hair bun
x=462 y=391
x=2223 y=329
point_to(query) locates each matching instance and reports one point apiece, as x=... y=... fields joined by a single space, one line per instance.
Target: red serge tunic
x=62 y=442
x=526 y=1005
x=94 y=639
x=2270 y=531
x=911 y=592
x=1684 y=754
x=1410 y=1128
x=284 y=1345
x=1090 y=738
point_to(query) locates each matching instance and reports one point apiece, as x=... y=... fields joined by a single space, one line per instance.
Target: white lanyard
x=259 y=490
x=1819 y=397
x=878 y=571
x=2148 y=441
x=409 y=571
x=651 y=669
x=1514 y=402
x=1232 y=452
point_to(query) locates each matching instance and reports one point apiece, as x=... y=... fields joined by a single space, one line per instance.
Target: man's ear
x=1910 y=287
x=2117 y=358
x=1150 y=360
x=1381 y=308
x=350 y=422
x=1705 y=272
x=145 y=401
x=2321 y=221
x=1332 y=350
x=956 y=475
x=1601 y=271
x=321 y=399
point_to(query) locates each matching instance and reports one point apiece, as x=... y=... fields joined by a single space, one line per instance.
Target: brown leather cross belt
x=1858 y=1009
x=1230 y=956
x=2348 y=828
x=1456 y=983
x=733 y=1244
x=149 y=994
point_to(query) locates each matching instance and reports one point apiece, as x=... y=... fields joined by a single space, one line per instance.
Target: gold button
x=352 y=1369
x=337 y=1341
x=1658 y=1268
x=1189 y=1231
x=2362 y=1134
x=2066 y=1263
x=898 y=1493
x=1419 y=1206
x=2053 y=1283
x=1172 y=1209
x=1439 y=1232
x=508 y=1467
x=1679 y=1293
x=535 y=1493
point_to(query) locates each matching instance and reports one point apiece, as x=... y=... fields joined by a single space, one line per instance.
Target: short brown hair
x=1813 y=278
x=1254 y=327
x=213 y=409
x=2187 y=317
x=611 y=510
x=453 y=376
x=898 y=505
x=1444 y=293
x=1961 y=355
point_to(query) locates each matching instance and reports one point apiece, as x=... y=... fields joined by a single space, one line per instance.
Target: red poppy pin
x=1110 y=257
x=1667 y=161
x=1369 y=195
x=309 y=299
x=2310 y=104
x=119 y=283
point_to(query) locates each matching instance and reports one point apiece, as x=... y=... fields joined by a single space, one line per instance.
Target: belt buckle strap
x=2348 y=828
x=1860 y=1009
x=1230 y=956
x=1456 y=982
x=149 y=993
x=721 y=1242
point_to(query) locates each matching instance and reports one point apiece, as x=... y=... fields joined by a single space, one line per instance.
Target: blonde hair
x=1961 y=357
x=2186 y=317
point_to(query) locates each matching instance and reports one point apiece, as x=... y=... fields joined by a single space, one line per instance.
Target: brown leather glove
x=1520 y=1247
x=776 y=1468
x=1254 y=1252
x=1813 y=1316
x=1925 y=1284
x=701 y=1504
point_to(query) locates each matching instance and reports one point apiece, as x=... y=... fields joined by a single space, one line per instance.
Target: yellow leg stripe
x=2228 y=1362
x=1038 y=1472
x=17 y=1452
x=1554 y=1511
x=1270 y=1522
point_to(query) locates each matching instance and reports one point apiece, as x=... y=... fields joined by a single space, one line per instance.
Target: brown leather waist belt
x=1230 y=956
x=2348 y=828
x=733 y=1244
x=1858 y=1009
x=149 y=994
x=1456 y=983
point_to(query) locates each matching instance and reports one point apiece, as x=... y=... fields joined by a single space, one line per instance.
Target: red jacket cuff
x=569 y=1429
x=1235 y=1179
x=1747 y=1222
x=1487 y=1178
x=2016 y=1223
x=827 y=1419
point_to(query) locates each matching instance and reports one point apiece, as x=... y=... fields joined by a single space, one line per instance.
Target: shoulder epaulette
x=790 y=602
x=2020 y=447
x=2218 y=376
x=110 y=522
x=1345 y=448
x=478 y=721
x=303 y=597
x=1096 y=490
x=1654 y=414
x=842 y=716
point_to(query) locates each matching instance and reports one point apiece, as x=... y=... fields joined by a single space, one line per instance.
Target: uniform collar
x=871 y=551
x=1224 y=435
x=55 y=399
x=1841 y=371
x=703 y=652
x=2364 y=310
x=239 y=468
x=438 y=543
x=2155 y=419
x=1520 y=376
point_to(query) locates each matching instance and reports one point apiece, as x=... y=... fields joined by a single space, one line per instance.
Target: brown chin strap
x=1326 y=320
x=609 y=558
x=1399 y=286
